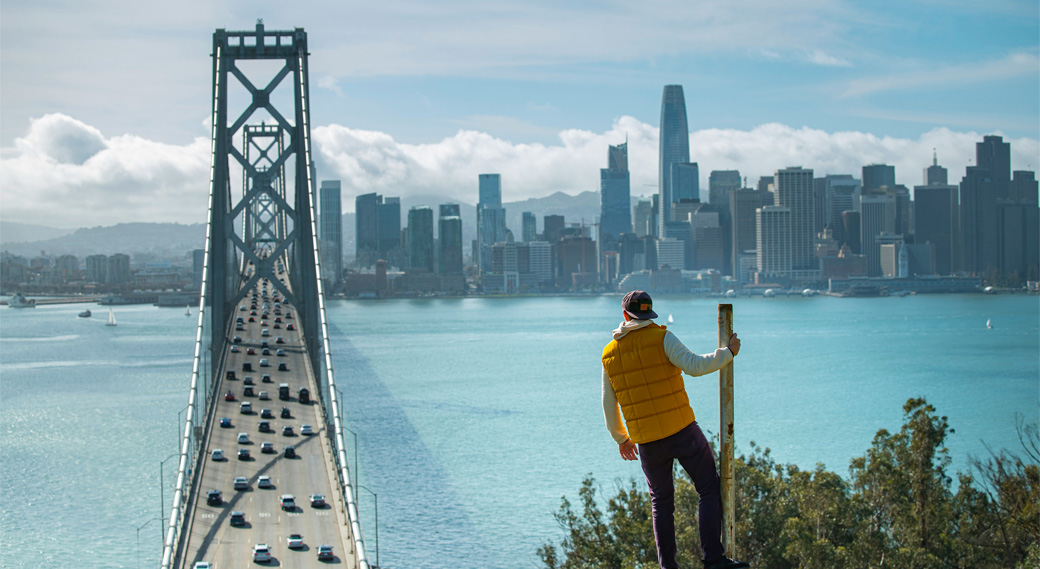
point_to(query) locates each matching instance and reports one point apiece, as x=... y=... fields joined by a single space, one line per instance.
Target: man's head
x=638 y=305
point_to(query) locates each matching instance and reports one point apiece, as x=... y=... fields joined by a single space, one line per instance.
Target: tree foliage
x=899 y=508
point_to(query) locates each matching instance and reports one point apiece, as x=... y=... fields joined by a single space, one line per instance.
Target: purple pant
x=694 y=453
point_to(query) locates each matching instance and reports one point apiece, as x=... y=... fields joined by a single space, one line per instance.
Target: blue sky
x=404 y=92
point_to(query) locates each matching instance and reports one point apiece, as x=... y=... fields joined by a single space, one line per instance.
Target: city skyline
x=404 y=113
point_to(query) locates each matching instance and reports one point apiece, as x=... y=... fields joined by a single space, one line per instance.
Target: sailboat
x=670 y=320
x=111 y=318
x=989 y=323
x=187 y=310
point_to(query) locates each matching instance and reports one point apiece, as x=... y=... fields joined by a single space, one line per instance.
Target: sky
x=105 y=104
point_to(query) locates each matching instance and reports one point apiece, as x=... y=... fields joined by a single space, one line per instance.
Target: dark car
x=213 y=498
x=238 y=518
x=265 y=426
x=279 y=340
x=247 y=391
x=243 y=454
x=246 y=366
x=266 y=378
x=225 y=422
x=290 y=452
x=317 y=501
x=325 y=553
x=266 y=414
x=248 y=380
x=229 y=396
x=290 y=326
x=305 y=395
x=283 y=367
x=286 y=414
x=288 y=431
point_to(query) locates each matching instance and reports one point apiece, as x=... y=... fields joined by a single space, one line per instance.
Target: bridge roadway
x=211 y=537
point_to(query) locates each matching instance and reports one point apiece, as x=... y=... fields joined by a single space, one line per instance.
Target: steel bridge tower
x=270 y=226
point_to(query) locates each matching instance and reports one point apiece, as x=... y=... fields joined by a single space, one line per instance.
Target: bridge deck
x=211 y=537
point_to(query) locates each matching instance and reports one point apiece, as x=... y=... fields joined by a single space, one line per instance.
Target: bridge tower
x=270 y=225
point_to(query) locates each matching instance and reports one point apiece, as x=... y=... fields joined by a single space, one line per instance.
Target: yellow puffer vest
x=649 y=388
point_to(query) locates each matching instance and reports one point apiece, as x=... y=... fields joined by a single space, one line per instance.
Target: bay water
x=475 y=416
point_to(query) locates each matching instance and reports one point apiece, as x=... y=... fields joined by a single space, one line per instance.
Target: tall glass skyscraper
x=420 y=238
x=449 y=234
x=330 y=231
x=674 y=147
x=615 y=197
x=491 y=219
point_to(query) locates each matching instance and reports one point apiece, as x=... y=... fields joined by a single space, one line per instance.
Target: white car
x=217 y=454
x=306 y=430
x=264 y=482
x=202 y=565
x=261 y=553
x=265 y=332
x=243 y=438
x=264 y=362
x=295 y=541
x=246 y=408
x=241 y=483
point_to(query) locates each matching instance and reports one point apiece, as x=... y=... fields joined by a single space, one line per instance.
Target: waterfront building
x=877 y=217
x=615 y=198
x=552 y=228
x=491 y=219
x=541 y=263
x=742 y=206
x=936 y=220
x=330 y=232
x=671 y=252
x=118 y=269
x=794 y=191
x=841 y=193
x=97 y=268
x=390 y=235
x=576 y=263
x=449 y=240
x=420 y=239
x=366 y=225
x=773 y=234
x=674 y=147
x=979 y=223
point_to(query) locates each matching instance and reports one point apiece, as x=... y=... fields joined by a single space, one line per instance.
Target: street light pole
x=376 y=499
x=341 y=420
x=162 y=490
x=150 y=520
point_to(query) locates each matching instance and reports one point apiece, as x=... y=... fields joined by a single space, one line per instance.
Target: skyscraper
x=841 y=194
x=420 y=238
x=936 y=221
x=773 y=234
x=366 y=239
x=390 y=231
x=742 y=205
x=935 y=175
x=674 y=147
x=721 y=183
x=794 y=190
x=615 y=198
x=449 y=235
x=330 y=231
x=529 y=227
x=877 y=219
x=877 y=175
x=686 y=181
x=491 y=219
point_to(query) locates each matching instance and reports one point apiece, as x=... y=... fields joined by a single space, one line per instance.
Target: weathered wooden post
x=726 y=459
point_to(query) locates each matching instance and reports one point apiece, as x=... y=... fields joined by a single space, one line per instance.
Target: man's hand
x=628 y=450
x=734 y=344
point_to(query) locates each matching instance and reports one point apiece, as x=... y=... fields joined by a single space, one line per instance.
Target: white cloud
x=133 y=179
x=1013 y=65
x=820 y=57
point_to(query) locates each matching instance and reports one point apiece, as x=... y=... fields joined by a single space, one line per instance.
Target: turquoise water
x=475 y=416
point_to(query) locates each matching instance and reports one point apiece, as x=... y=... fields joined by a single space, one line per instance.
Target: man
x=642 y=373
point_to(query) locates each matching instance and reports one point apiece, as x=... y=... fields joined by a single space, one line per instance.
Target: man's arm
x=612 y=412
x=695 y=365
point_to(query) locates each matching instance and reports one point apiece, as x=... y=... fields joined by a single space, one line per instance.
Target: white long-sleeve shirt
x=680 y=356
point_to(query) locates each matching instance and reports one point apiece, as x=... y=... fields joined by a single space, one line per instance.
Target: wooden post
x=726 y=458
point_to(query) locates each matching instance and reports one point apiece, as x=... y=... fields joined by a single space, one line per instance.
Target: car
x=202 y=565
x=286 y=413
x=325 y=553
x=237 y=340
x=279 y=340
x=213 y=498
x=280 y=353
x=295 y=541
x=287 y=431
x=306 y=430
x=246 y=366
x=264 y=482
x=290 y=452
x=250 y=352
x=266 y=414
x=237 y=518
x=243 y=454
x=248 y=380
x=283 y=367
x=265 y=352
x=252 y=318
x=242 y=308
x=261 y=553
x=265 y=426
x=266 y=378
x=288 y=502
x=245 y=408
x=264 y=344
x=264 y=396
x=243 y=438
x=267 y=448
x=305 y=395
x=247 y=391
x=241 y=483
x=265 y=332
x=229 y=396
x=264 y=362
x=239 y=327
x=288 y=314
x=317 y=501
x=277 y=326
x=235 y=350
x=217 y=454
x=289 y=326
x=225 y=422
x=277 y=319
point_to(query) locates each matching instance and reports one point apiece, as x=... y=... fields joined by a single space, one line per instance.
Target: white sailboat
x=187 y=310
x=111 y=318
x=670 y=319
x=989 y=323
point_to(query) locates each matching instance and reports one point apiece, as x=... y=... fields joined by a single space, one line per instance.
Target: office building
x=842 y=192
x=529 y=227
x=552 y=228
x=390 y=242
x=615 y=198
x=773 y=233
x=540 y=256
x=686 y=183
x=449 y=240
x=643 y=218
x=330 y=232
x=935 y=175
x=742 y=206
x=671 y=253
x=877 y=217
x=118 y=269
x=366 y=239
x=936 y=221
x=674 y=147
x=491 y=219
x=877 y=175
x=794 y=191
x=721 y=183
x=420 y=239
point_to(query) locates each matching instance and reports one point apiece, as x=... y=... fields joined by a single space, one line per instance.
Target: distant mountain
x=164 y=240
x=14 y=232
